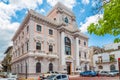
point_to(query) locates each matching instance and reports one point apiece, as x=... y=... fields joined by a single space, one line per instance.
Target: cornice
x=40 y=17
x=22 y=25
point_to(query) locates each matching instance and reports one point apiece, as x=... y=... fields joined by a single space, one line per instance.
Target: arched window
x=85 y=67
x=100 y=67
x=21 y=68
x=18 y=68
x=67 y=46
x=38 y=67
x=50 y=48
x=112 y=67
x=50 y=67
x=66 y=19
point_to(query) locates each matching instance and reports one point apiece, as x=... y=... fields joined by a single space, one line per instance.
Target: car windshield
x=114 y=71
x=50 y=77
x=13 y=74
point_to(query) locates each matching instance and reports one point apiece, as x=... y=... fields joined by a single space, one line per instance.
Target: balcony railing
x=39 y=53
x=83 y=59
x=106 y=61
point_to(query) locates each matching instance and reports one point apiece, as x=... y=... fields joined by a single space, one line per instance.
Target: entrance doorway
x=68 y=67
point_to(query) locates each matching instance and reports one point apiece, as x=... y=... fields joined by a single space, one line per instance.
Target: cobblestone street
x=93 y=78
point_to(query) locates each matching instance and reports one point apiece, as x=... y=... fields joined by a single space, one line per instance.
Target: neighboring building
x=49 y=43
x=92 y=51
x=108 y=60
x=0 y=67
x=6 y=62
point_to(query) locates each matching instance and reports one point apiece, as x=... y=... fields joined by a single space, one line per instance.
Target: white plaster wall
x=105 y=56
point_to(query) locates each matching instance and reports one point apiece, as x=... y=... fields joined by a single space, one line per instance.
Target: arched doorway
x=68 y=67
x=100 y=67
x=112 y=67
x=38 y=67
x=85 y=68
x=50 y=67
x=67 y=46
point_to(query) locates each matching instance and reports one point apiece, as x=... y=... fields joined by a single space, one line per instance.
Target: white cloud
x=85 y=2
x=30 y=4
x=7 y=27
x=82 y=10
x=40 y=11
x=89 y=20
x=69 y=3
x=93 y=3
x=8 y=10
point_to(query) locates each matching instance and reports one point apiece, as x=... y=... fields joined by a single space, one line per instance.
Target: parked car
x=58 y=77
x=107 y=73
x=88 y=73
x=12 y=75
x=103 y=73
x=116 y=72
x=49 y=73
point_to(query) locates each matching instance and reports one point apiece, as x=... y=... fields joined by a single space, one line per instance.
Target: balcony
x=52 y=55
x=39 y=53
x=82 y=59
x=106 y=61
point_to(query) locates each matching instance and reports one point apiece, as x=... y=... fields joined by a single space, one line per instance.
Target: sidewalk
x=74 y=75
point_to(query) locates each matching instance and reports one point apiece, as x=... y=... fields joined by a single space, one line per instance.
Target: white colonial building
x=108 y=60
x=49 y=43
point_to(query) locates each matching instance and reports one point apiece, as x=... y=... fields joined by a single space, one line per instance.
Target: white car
x=12 y=75
x=58 y=77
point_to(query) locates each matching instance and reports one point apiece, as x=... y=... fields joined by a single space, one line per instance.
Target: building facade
x=1 y=67
x=49 y=43
x=107 y=60
x=92 y=51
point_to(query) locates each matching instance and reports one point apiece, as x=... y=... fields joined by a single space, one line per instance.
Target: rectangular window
x=18 y=51
x=100 y=59
x=27 y=44
x=84 y=43
x=79 y=54
x=79 y=41
x=50 y=48
x=118 y=47
x=38 y=46
x=112 y=58
x=19 y=38
x=21 y=68
x=22 y=49
x=50 y=31
x=85 y=55
x=27 y=29
x=22 y=34
x=39 y=28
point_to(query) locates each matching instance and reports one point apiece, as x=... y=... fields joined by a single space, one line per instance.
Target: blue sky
x=12 y=12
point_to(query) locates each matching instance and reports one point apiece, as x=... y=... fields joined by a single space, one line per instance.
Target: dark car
x=88 y=73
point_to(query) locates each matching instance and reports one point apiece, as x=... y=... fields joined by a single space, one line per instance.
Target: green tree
x=110 y=23
x=6 y=63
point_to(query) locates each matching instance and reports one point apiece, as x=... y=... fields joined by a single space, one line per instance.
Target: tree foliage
x=6 y=63
x=110 y=23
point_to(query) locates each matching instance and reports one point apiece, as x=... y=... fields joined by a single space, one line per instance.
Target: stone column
x=62 y=49
x=77 y=52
